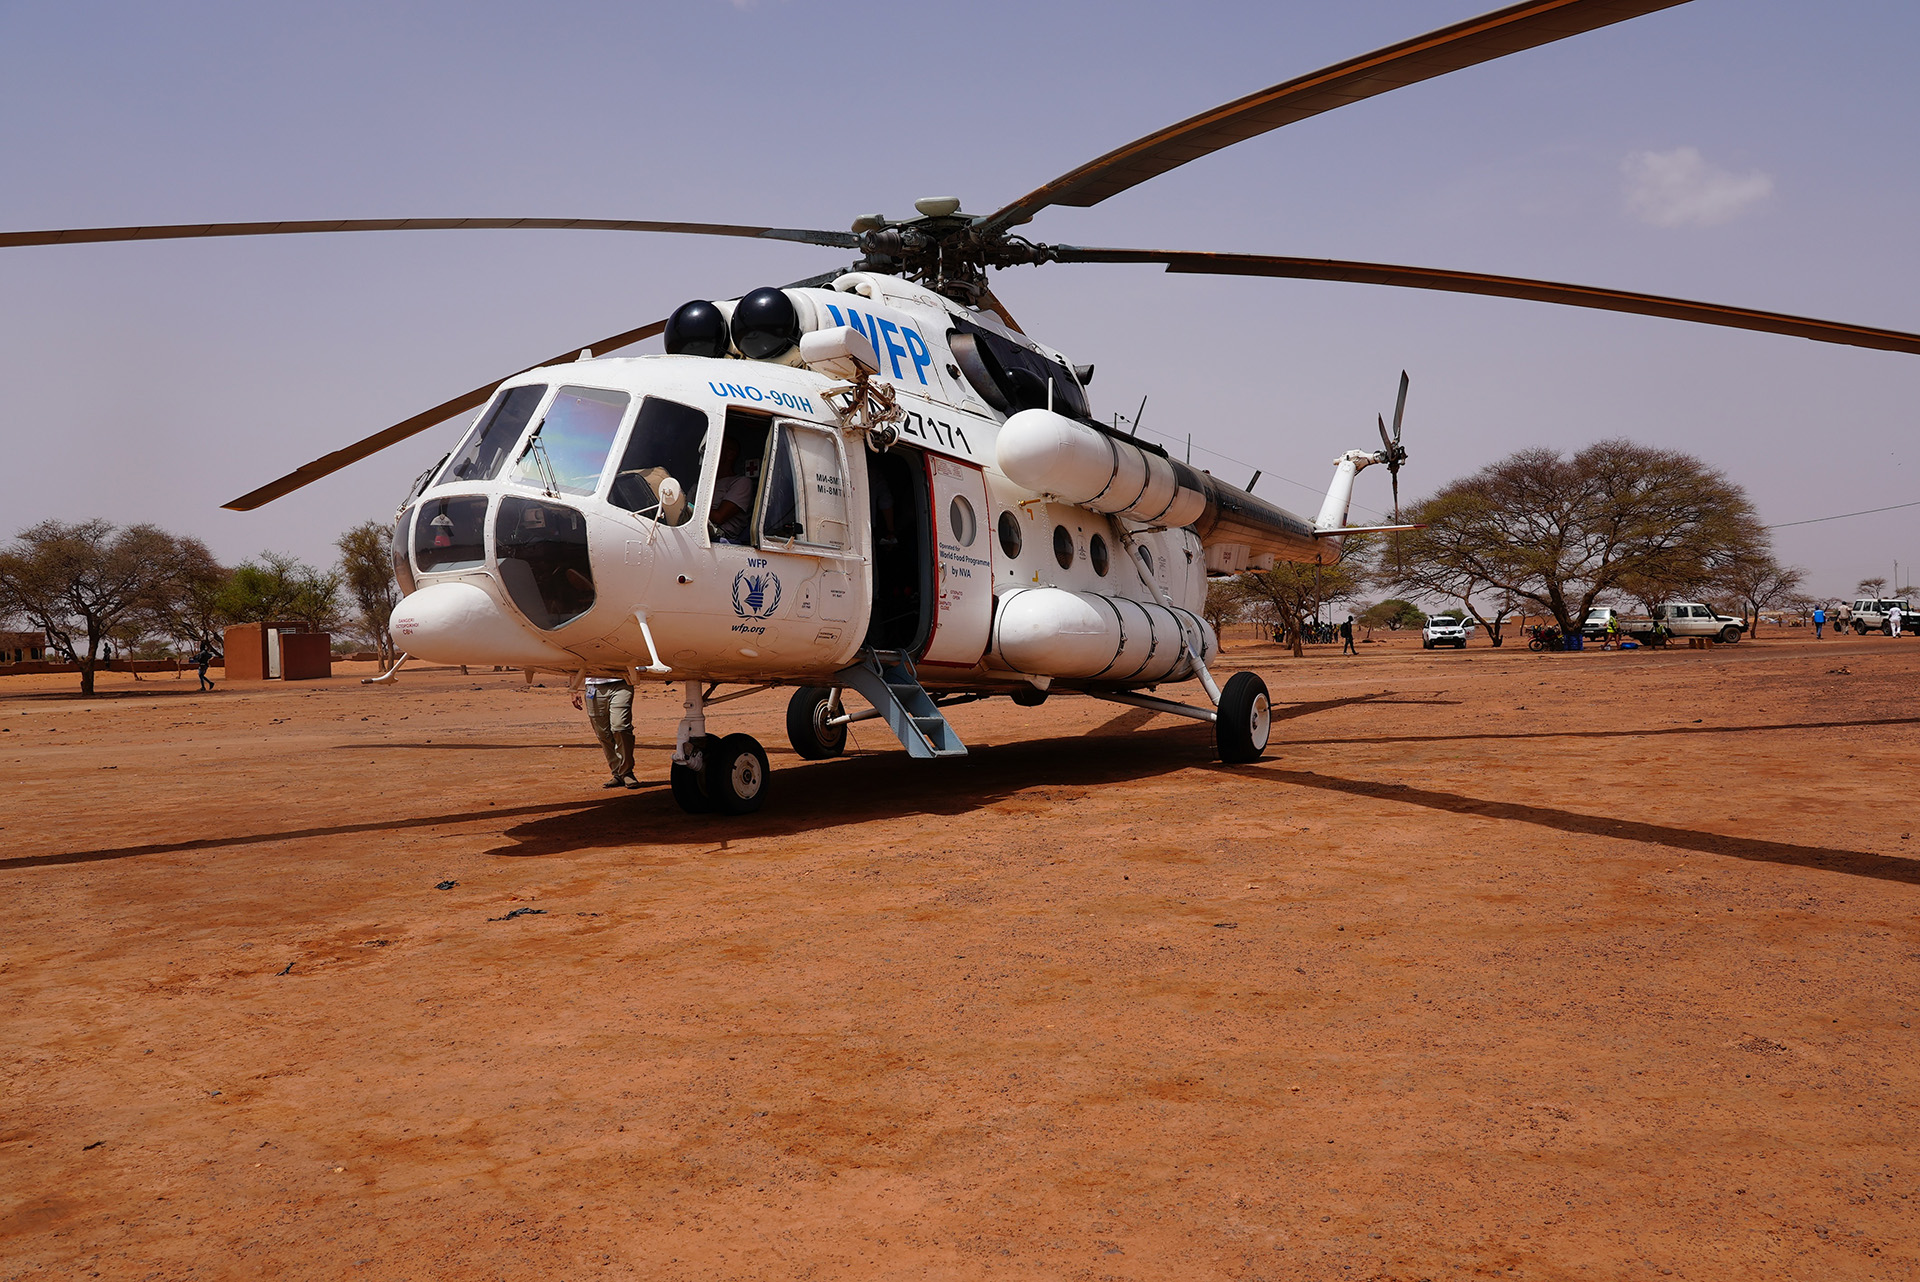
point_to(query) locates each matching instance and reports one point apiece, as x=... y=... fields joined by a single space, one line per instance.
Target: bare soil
x=1500 y=965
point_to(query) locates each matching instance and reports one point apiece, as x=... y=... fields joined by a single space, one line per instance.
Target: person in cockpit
x=732 y=495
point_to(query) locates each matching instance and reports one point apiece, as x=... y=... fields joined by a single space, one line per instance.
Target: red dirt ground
x=1501 y=965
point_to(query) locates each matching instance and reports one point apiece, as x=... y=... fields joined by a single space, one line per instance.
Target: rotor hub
x=947 y=251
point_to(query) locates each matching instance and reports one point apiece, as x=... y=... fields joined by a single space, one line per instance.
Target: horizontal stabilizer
x=1365 y=529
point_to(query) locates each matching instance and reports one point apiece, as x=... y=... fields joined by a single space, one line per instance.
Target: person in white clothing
x=1893 y=619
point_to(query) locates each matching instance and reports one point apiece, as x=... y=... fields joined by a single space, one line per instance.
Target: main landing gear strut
x=727 y=774
x=1242 y=715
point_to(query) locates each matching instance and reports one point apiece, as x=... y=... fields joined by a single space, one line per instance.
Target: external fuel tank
x=1082 y=464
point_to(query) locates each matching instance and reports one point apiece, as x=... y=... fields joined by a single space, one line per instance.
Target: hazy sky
x=1756 y=152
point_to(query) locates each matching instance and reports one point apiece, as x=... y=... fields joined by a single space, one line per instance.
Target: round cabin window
x=1097 y=553
x=1063 y=547
x=1010 y=534
x=966 y=527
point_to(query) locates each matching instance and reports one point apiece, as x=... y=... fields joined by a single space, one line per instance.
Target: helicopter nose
x=461 y=622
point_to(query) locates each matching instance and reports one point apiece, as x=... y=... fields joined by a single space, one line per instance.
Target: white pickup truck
x=1680 y=619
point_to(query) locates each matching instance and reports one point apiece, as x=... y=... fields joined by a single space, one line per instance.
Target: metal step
x=886 y=678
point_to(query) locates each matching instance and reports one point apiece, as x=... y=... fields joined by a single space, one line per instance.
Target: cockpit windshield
x=666 y=445
x=569 y=448
x=485 y=449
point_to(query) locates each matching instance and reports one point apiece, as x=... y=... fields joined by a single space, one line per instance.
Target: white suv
x=1444 y=631
x=1870 y=615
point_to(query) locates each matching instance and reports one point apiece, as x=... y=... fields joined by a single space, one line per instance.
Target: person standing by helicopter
x=609 y=705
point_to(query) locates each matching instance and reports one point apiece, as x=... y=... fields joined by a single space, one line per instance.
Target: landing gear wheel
x=737 y=774
x=1729 y=635
x=807 y=728
x=685 y=783
x=1244 y=720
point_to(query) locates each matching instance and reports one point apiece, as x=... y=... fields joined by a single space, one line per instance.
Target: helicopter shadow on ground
x=1853 y=863
x=887 y=785
x=1289 y=711
x=881 y=785
x=1468 y=736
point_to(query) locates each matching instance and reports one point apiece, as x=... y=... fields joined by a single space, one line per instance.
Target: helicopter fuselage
x=718 y=519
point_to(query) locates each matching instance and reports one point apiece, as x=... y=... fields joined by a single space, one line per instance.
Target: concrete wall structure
x=305 y=656
x=286 y=651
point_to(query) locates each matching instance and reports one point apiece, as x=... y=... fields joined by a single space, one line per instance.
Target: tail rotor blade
x=1384 y=438
x=1400 y=407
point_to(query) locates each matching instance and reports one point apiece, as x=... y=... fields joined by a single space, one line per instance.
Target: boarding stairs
x=887 y=680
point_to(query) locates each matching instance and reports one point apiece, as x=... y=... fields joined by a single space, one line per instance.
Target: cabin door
x=962 y=564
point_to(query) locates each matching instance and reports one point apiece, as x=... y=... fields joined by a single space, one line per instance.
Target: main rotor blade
x=998 y=308
x=1400 y=407
x=327 y=464
x=1477 y=40
x=1540 y=291
x=196 y=231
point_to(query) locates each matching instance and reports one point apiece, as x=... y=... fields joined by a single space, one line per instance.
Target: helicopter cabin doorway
x=902 y=540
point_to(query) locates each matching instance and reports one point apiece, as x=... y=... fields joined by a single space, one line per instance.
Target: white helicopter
x=873 y=481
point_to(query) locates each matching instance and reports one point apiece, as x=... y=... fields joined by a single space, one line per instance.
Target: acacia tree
x=366 y=565
x=1871 y=587
x=193 y=614
x=1559 y=532
x=1760 y=581
x=281 y=586
x=1393 y=614
x=79 y=582
x=1451 y=577
x=1293 y=591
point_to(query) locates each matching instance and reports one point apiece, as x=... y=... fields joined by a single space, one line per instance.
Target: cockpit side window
x=743 y=448
x=487 y=445
x=665 y=444
x=569 y=449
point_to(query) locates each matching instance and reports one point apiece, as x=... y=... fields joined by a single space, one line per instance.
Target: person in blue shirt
x=1819 y=621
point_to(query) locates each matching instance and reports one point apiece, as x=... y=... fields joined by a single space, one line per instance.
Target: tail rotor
x=1394 y=454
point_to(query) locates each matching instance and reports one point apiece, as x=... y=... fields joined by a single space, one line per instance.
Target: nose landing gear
x=710 y=773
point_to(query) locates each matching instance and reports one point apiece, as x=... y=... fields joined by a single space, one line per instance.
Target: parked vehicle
x=1441 y=630
x=1676 y=618
x=1870 y=614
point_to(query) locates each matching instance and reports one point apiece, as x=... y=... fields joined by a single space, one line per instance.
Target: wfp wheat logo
x=756 y=594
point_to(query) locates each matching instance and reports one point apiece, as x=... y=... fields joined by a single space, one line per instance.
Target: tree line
x=100 y=591
x=1545 y=533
